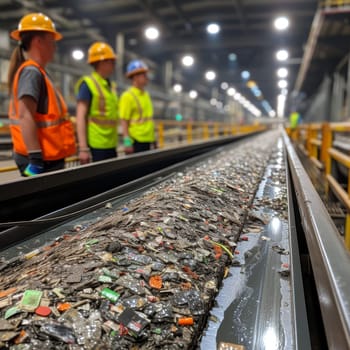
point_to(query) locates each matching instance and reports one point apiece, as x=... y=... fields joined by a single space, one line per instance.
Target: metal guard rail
x=317 y=142
x=329 y=259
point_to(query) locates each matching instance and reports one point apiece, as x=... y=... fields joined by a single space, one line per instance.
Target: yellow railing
x=328 y=3
x=317 y=141
x=170 y=133
x=173 y=133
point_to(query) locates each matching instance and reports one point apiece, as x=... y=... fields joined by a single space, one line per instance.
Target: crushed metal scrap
x=144 y=277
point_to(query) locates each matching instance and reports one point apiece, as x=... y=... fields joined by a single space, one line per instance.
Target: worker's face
x=106 y=68
x=47 y=45
x=141 y=79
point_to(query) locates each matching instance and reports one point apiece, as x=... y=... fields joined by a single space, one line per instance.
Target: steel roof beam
x=239 y=9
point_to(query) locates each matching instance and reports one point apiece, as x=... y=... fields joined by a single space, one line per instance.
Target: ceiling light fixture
x=231 y=91
x=151 y=33
x=282 y=73
x=78 y=54
x=193 y=94
x=187 y=60
x=281 y=23
x=177 y=88
x=210 y=75
x=282 y=84
x=232 y=57
x=213 y=28
x=282 y=55
x=245 y=75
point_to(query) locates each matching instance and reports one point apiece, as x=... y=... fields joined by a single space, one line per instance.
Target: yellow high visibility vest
x=294 y=119
x=136 y=106
x=103 y=114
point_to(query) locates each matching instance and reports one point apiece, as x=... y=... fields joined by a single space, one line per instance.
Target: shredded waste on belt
x=143 y=277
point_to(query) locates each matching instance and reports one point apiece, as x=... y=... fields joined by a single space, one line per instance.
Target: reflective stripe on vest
x=103 y=122
x=41 y=124
x=102 y=102
x=141 y=120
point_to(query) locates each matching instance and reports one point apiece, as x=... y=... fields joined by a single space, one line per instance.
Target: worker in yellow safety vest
x=294 y=120
x=97 y=107
x=136 y=111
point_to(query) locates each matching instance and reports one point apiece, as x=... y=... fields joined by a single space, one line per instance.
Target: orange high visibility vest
x=55 y=130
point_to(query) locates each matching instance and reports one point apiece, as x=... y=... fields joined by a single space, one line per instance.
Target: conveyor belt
x=30 y=198
x=286 y=329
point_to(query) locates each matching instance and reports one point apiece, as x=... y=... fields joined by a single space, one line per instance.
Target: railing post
x=226 y=131
x=327 y=139
x=189 y=132
x=308 y=140
x=216 y=130
x=160 y=126
x=205 y=131
x=347 y=222
x=313 y=147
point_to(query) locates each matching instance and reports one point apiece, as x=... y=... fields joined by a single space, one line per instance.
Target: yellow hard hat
x=100 y=51
x=35 y=22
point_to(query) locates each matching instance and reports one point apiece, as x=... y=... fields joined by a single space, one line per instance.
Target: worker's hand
x=33 y=169
x=36 y=164
x=154 y=145
x=128 y=148
x=84 y=156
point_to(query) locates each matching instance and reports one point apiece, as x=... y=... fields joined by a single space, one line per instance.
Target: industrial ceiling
x=246 y=31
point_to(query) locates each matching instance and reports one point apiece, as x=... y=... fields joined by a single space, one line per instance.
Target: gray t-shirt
x=32 y=83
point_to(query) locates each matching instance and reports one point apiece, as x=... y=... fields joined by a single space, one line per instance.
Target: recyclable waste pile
x=146 y=275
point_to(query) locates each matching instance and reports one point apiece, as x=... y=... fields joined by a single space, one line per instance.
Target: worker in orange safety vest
x=41 y=131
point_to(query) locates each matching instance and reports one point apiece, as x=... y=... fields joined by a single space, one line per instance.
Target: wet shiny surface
x=253 y=307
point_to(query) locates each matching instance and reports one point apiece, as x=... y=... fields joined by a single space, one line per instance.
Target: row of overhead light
x=152 y=33
x=281 y=23
x=193 y=94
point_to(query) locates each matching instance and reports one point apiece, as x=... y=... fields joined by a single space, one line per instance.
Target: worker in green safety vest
x=294 y=120
x=136 y=111
x=97 y=107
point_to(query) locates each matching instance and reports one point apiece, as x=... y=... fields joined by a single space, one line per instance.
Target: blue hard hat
x=136 y=67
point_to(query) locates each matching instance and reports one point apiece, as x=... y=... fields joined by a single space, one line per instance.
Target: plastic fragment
x=185 y=321
x=156 y=282
x=31 y=300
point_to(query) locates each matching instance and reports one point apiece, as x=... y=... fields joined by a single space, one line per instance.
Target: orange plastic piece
x=5 y=293
x=218 y=252
x=63 y=307
x=185 y=321
x=21 y=337
x=155 y=282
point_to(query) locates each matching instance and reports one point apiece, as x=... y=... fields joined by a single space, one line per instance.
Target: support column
x=168 y=75
x=347 y=105
x=120 y=48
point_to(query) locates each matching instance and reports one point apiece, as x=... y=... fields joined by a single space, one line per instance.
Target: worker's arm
x=127 y=142
x=27 y=107
x=81 y=114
